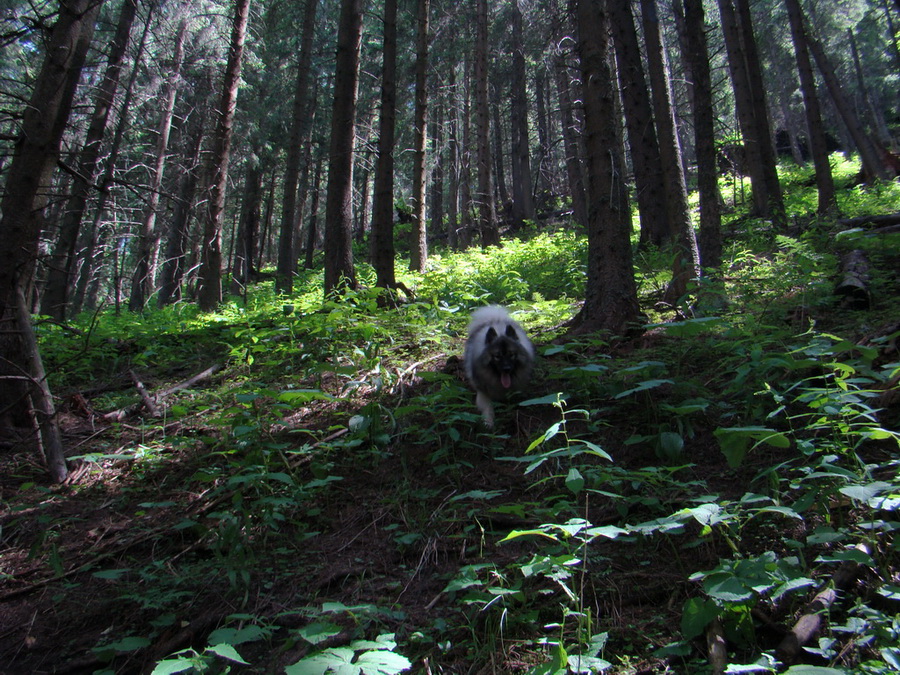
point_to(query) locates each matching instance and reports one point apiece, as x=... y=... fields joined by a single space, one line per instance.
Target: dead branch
x=715 y=646
x=854 y=284
x=149 y=403
x=809 y=625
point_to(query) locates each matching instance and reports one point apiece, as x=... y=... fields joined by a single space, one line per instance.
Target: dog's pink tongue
x=505 y=380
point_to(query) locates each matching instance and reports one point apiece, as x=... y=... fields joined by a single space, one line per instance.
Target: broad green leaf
x=318 y=631
x=172 y=666
x=696 y=616
x=227 y=651
x=643 y=386
x=815 y=670
x=574 y=481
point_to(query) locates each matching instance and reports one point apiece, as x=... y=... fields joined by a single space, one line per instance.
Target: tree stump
x=853 y=287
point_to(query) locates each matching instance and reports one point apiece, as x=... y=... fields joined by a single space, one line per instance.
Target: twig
x=809 y=625
x=145 y=396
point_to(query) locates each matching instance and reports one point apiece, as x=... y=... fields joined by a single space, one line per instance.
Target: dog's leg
x=486 y=406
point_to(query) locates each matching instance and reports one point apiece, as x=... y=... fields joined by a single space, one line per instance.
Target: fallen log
x=151 y=401
x=871 y=221
x=854 y=284
x=809 y=625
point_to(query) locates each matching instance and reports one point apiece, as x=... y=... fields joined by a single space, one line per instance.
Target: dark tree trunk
x=499 y=154
x=176 y=239
x=453 y=162
x=148 y=238
x=877 y=162
x=752 y=113
x=697 y=56
x=437 y=176
x=209 y=276
x=571 y=133
x=24 y=395
x=339 y=269
x=312 y=230
x=814 y=126
x=56 y=294
x=487 y=212
x=610 y=301
x=284 y=274
x=418 y=250
x=642 y=140
x=242 y=269
x=546 y=178
x=87 y=277
x=522 y=193
x=686 y=261
x=382 y=238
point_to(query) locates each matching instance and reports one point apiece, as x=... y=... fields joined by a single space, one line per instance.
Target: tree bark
x=642 y=139
x=22 y=384
x=339 y=269
x=242 y=270
x=94 y=237
x=382 y=236
x=814 y=126
x=284 y=274
x=697 y=56
x=571 y=133
x=686 y=260
x=148 y=238
x=877 y=162
x=487 y=212
x=209 y=292
x=56 y=294
x=173 y=267
x=522 y=191
x=418 y=250
x=737 y=38
x=610 y=301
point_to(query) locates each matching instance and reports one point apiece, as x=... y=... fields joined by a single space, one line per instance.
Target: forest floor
x=390 y=533
x=279 y=527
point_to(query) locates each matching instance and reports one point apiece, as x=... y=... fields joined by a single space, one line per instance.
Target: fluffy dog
x=498 y=359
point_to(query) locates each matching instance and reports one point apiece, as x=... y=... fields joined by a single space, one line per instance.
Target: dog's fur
x=498 y=359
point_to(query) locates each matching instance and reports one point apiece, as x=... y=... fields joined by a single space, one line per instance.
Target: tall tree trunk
x=761 y=114
x=437 y=175
x=546 y=178
x=814 y=126
x=339 y=269
x=697 y=57
x=142 y=282
x=93 y=238
x=522 y=192
x=56 y=294
x=209 y=292
x=23 y=387
x=312 y=230
x=487 y=212
x=501 y=193
x=754 y=131
x=877 y=162
x=284 y=274
x=686 y=260
x=642 y=140
x=571 y=133
x=418 y=250
x=382 y=237
x=453 y=161
x=242 y=269
x=176 y=239
x=610 y=301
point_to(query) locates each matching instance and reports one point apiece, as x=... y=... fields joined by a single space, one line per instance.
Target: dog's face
x=504 y=354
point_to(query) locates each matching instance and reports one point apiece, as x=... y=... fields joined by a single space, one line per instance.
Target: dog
x=498 y=358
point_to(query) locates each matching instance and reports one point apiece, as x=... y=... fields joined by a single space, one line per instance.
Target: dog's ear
x=511 y=332
x=490 y=336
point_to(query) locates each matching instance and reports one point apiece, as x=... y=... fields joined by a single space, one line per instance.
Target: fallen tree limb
x=186 y=384
x=149 y=403
x=871 y=221
x=854 y=284
x=809 y=625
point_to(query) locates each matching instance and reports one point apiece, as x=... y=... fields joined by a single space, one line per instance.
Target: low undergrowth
x=327 y=500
